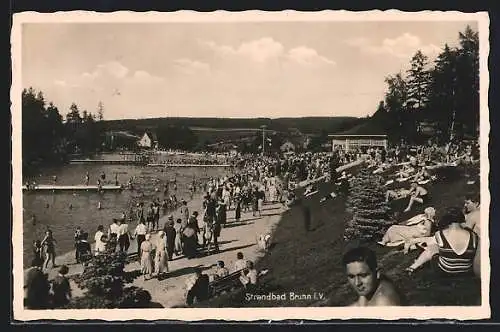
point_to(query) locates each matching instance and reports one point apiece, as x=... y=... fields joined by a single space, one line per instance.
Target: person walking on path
x=161 y=259
x=100 y=245
x=171 y=235
x=140 y=235
x=178 y=237
x=146 y=257
x=38 y=254
x=113 y=234
x=123 y=235
x=48 y=243
x=184 y=211
x=237 y=211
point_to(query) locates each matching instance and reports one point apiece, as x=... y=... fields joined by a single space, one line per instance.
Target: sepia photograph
x=252 y=165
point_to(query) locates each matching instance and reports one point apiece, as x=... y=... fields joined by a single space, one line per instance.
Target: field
x=307 y=262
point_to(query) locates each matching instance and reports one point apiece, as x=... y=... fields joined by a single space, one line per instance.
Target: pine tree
x=395 y=101
x=100 y=111
x=370 y=212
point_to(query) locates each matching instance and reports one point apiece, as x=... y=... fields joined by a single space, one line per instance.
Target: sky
x=228 y=69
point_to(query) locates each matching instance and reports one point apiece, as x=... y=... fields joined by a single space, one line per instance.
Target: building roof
x=152 y=135
x=370 y=127
x=124 y=134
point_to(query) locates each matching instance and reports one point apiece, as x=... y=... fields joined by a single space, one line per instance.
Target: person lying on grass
x=417 y=194
x=452 y=249
x=396 y=194
x=373 y=288
x=416 y=227
x=422 y=174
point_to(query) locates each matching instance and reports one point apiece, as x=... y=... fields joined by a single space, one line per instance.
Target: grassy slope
x=306 y=262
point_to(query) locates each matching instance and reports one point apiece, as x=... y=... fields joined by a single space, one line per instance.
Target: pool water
x=64 y=211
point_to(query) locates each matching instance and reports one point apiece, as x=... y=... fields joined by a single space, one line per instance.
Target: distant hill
x=305 y=125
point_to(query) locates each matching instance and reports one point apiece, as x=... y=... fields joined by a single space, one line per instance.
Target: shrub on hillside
x=104 y=280
x=370 y=212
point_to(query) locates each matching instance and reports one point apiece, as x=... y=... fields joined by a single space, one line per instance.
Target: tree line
x=47 y=138
x=439 y=99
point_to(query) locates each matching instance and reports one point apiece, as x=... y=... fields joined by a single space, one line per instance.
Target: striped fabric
x=450 y=262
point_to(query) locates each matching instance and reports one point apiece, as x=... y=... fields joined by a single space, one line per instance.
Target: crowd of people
x=450 y=244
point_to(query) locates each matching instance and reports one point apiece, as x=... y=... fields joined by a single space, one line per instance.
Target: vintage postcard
x=250 y=166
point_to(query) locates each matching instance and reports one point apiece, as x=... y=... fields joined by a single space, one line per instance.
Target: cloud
x=112 y=68
x=308 y=56
x=65 y=84
x=141 y=76
x=266 y=49
x=259 y=50
x=191 y=67
x=403 y=46
x=60 y=82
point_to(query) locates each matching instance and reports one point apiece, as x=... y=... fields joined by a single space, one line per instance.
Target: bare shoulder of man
x=387 y=295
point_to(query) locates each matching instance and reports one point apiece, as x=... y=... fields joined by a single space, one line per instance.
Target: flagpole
x=263 y=138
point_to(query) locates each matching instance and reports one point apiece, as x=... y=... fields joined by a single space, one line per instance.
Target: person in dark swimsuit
x=452 y=249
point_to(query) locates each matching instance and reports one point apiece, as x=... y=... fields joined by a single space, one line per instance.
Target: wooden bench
x=224 y=284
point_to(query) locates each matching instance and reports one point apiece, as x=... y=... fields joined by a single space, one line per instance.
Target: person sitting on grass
x=220 y=271
x=197 y=287
x=416 y=227
x=372 y=288
x=240 y=263
x=472 y=222
x=452 y=249
x=472 y=213
x=417 y=194
x=405 y=172
x=249 y=276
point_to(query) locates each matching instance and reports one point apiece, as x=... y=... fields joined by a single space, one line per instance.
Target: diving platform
x=48 y=187
x=187 y=165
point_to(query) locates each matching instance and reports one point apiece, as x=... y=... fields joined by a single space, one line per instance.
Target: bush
x=366 y=202
x=104 y=279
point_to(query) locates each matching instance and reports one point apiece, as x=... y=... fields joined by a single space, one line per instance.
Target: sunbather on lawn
x=416 y=227
x=452 y=249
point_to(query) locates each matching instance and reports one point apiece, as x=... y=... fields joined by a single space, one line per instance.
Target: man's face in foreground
x=361 y=278
x=469 y=206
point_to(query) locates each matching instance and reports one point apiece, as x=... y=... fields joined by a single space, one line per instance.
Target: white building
x=347 y=142
x=148 y=140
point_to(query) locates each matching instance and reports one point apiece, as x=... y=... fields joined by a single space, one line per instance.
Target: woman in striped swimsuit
x=452 y=249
